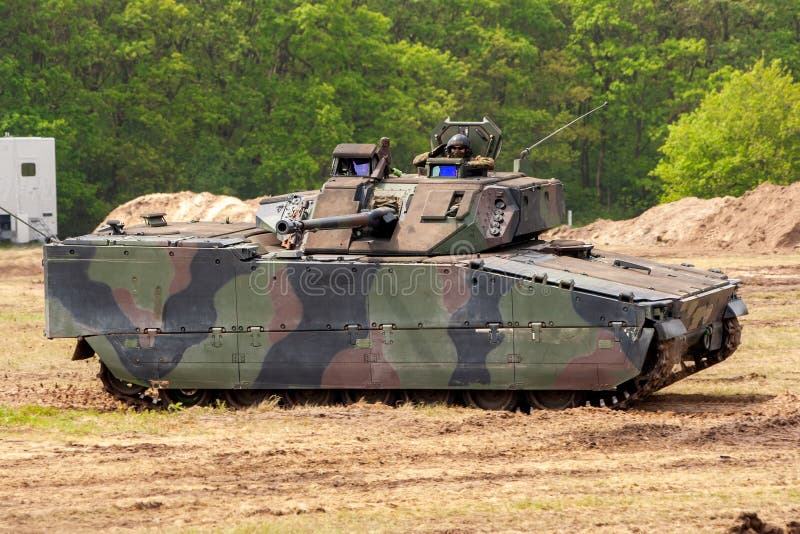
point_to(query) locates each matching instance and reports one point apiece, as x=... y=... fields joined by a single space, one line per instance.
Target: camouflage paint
x=284 y=324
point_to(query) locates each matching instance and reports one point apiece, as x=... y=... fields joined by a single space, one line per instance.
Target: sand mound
x=766 y=218
x=186 y=206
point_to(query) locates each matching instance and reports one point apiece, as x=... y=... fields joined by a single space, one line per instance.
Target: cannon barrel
x=372 y=218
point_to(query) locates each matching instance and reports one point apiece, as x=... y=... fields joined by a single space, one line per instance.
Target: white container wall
x=28 y=187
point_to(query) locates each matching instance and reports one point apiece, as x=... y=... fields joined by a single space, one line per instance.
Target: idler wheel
x=115 y=385
x=429 y=397
x=370 y=396
x=491 y=399
x=245 y=398
x=554 y=400
x=185 y=397
x=307 y=397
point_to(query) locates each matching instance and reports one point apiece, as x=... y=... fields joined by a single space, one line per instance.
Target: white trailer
x=28 y=187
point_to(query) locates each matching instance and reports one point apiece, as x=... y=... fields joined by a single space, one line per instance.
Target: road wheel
x=245 y=398
x=370 y=396
x=115 y=385
x=185 y=397
x=429 y=397
x=489 y=399
x=307 y=397
x=554 y=400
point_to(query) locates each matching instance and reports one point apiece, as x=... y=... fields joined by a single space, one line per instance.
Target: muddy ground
x=689 y=459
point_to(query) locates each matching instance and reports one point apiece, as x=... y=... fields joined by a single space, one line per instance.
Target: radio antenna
x=524 y=153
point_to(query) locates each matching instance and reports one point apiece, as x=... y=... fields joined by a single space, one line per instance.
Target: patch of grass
x=269 y=404
x=22 y=317
x=777 y=315
x=72 y=423
x=779 y=339
x=788 y=296
x=79 y=422
x=535 y=504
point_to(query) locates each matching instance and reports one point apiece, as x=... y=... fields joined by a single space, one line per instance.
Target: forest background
x=249 y=97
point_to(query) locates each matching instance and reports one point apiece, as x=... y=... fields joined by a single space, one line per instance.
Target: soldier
x=457 y=147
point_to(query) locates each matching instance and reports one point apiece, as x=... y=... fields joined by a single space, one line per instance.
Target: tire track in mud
x=361 y=457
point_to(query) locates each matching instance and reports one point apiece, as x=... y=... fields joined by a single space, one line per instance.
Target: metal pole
x=527 y=151
x=47 y=237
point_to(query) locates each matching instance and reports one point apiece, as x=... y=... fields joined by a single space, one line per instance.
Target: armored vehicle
x=431 y=286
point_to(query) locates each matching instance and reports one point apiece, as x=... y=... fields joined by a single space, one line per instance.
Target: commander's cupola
x=485 y=140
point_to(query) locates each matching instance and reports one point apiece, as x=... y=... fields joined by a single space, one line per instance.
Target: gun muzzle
x=373 y=218
x=285 y=227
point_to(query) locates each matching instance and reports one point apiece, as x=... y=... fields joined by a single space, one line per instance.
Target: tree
x=630 y=54
x=249 y=97
x=746 y=133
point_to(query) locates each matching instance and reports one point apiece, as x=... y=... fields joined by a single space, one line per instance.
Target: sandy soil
x=762 y=220
x=396 y=469
x=185 y=206
x=676 y=462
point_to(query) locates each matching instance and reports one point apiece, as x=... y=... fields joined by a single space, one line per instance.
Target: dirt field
x=689 y=459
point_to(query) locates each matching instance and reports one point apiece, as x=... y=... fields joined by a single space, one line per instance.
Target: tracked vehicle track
x=131 y=394
x=668 y=367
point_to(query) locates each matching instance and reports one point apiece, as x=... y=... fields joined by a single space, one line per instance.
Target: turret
x=372 y=212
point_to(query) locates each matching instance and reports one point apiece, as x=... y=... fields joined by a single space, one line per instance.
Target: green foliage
x=746 y=133
x=630 y=54
x=73 y=423
x=250 y=97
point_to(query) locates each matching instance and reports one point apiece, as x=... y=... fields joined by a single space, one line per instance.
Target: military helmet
x=458 y=139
